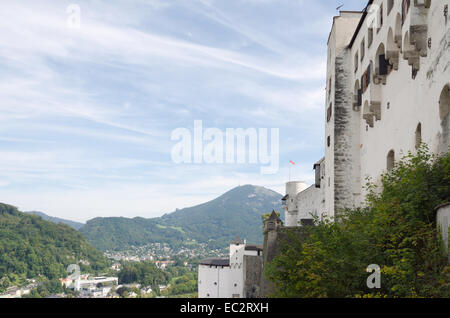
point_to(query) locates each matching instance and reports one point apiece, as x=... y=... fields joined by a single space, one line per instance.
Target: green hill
x=73 y=224
x=32 y=247
x=217 y=222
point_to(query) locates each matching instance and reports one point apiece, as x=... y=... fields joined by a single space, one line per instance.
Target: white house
x=225 y=278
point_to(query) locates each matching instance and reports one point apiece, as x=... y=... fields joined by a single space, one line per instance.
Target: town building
x=234 y=277
x=387 y=92
x=95 y=286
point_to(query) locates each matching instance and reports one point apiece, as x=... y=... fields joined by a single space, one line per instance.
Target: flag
x=292 y=162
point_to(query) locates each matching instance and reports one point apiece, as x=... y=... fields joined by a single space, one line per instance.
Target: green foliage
x=186 y=284
x=216 y=222
x=396 y=230
x=144 y=273
x=123 y=292
x=182 y=280
x=31 y=247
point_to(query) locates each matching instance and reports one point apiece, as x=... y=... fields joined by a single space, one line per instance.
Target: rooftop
x=216 y=262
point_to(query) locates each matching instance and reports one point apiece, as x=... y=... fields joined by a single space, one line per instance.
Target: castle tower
x=290 y=204
x=237 y=248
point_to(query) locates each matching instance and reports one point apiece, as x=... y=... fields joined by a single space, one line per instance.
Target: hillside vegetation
x=217 y=222
x=396 y=230
x=31 y=247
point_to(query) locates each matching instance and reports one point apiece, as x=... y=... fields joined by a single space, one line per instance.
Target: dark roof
x=442 y=206
x=285 y=197
x=361 y=22
x=318 y=163
x=237 y=241
x=251 y=247
x=216 y=262
x=274 y=217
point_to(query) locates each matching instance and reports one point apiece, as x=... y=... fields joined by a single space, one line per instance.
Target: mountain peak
x=217 y=222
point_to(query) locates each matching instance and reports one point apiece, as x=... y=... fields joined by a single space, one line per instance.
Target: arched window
x=392 y=52
x=380 y=18
x=398 y=30
x=418 y=135
x=390 y=160
x=444 y=103
x=444 y=115
x=405 y=9
x=390 y=6
x=329 y=112
x=382 y=65
x=357 y=97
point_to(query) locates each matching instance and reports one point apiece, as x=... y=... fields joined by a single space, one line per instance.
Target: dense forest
x=31 y=247
x=396 y=230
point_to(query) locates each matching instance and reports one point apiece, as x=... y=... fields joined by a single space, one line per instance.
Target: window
x=365 y=79
x=329 y=141
x=405 y=9
x=317 y=175
x=363 y=49
x=390 y=160
x=382 y=65
x=356 y=62
x=380 y=18
x=329 y=88
x=444 y=103
x=418 y=135
x=444 y=115
x=329 y=112
x=392 y=50
x=357 y=96
x=390 y=6
x=398 y=30
x=370 y=37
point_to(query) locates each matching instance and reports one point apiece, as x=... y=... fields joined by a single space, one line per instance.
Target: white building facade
x=225 y=278
x=388 y=91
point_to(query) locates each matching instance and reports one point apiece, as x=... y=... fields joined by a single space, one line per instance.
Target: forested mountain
x=32 y=247
x=217 y=222
x=121 y=233
x=73 y=224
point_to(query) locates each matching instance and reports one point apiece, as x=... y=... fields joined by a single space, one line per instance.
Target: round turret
x=290 y=201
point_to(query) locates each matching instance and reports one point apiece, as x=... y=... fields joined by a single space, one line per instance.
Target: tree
x=396 y=229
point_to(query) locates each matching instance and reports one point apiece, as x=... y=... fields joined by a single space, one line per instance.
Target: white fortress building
x=232 y=277
x=387 y=91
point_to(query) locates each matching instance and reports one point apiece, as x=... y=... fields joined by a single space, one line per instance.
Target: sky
x=92 y=91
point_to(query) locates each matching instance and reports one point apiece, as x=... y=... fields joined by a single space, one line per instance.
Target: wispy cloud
x=86 y=114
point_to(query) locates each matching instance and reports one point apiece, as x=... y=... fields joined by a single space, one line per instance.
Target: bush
x=396 y=230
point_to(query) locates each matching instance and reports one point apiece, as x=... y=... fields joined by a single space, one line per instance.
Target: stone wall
x=253 y=268
x=343 y=133
x=273 y=242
